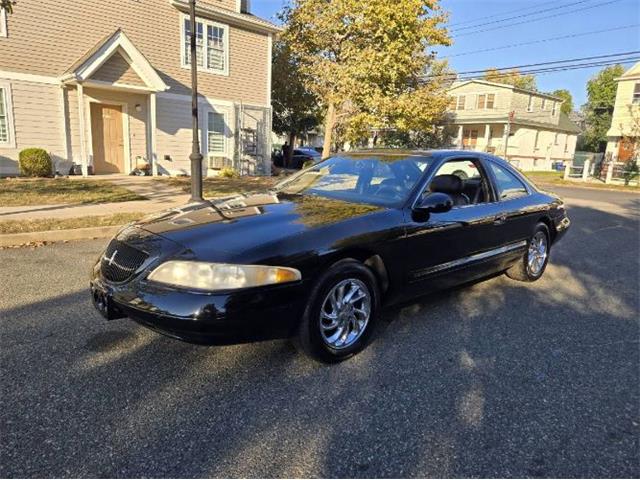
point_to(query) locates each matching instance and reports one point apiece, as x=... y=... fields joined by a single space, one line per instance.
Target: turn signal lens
x=221 y=276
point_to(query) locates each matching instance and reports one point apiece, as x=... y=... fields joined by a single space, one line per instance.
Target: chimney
x=245 y=6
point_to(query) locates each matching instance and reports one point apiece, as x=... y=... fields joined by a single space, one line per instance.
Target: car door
x=449 y=248
x=517 y=216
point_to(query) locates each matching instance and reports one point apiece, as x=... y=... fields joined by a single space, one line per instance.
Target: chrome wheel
x=537 y=256
x=345 y=313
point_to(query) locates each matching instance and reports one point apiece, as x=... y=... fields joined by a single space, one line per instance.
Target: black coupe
x=321 y=253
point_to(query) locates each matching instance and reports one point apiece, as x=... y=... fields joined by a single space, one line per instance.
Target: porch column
x=82 y=126
x=153 y=155
x=460 y=133
x=487 y=136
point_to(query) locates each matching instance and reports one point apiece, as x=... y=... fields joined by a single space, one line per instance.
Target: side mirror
x=435 y=202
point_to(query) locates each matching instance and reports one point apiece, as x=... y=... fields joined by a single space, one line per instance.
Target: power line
x=477 y=20
x=534 y=19
x=522 y=15
x=569 y=60
x=560 y=68
x=533 y=42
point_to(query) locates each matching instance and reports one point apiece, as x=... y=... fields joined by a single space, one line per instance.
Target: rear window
x=509 y=186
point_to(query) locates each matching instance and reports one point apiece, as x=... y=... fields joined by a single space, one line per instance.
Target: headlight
x=220 y=276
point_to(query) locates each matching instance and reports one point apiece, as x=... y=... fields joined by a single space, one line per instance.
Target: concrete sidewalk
x=159 y=194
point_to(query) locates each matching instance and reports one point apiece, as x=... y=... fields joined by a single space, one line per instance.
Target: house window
x=3 y=22
x=452 y=103
x=636 y=93
x=216 y=138
x=530 y=105
x=486 y=101
x=566 y=143
x=5 y=119
x=554 y=107
x=211 y=45
x=491 y=99
x=461 y=100
x=537 y=140
x=555 y=139
x=544 y=104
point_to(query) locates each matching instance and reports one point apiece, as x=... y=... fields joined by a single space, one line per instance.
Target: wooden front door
x=469 y=138
x=108 y=142
x=626 y=148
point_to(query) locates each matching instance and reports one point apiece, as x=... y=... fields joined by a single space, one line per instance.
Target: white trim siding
x=3 y=23
x=7 y=127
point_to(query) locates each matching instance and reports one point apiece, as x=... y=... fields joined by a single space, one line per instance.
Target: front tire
x=535 y=259
x=341 y=313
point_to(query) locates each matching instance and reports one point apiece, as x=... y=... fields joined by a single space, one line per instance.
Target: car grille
x=120 y=261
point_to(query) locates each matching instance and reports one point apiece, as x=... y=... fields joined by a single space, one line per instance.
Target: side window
x=508 y=185
x=462 y=180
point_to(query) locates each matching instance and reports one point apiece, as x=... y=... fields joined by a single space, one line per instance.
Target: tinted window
x=385 y=180
x=509 y=186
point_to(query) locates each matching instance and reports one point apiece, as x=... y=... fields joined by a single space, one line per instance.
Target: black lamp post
x=196 y=156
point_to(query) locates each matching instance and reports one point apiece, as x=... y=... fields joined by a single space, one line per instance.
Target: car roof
x=439 y=153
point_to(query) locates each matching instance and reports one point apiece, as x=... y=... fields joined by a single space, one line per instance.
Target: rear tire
x=535 y=259
x=341 y=313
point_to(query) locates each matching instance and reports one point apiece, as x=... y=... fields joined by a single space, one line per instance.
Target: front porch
x=110 y=98
x=481 y=137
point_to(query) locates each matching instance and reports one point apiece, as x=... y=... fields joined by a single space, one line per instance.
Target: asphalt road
x=496 y=379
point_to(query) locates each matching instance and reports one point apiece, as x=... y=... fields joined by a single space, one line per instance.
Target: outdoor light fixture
x=138 y=107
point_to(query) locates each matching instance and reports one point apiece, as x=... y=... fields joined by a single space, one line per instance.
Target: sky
x=564 y=17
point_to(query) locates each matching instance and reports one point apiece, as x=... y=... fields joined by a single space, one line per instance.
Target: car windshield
x=382 y=180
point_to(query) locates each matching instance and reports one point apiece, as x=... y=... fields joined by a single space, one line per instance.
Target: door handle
x=500 y=219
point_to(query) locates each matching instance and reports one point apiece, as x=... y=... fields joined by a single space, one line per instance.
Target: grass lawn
x=44 y=224
x=557 y=178
x=219 y=187
x=48 y=191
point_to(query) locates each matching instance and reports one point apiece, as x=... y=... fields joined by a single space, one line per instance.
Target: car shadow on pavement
x=497 y=378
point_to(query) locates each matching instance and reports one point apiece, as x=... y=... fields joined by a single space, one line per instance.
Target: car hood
x=237 y=224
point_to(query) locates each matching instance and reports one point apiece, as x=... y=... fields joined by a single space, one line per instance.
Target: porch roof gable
x=114 y=44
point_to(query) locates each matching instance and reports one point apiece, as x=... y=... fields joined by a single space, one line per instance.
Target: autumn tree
x=7 y=5
x=567 y=100
x=511 y=77
x=367 y=62
x=295 y=107
x=601 y=98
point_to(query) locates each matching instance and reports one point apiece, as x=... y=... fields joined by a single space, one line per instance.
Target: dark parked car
x=320 y=254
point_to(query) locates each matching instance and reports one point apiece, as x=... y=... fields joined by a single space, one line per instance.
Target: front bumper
x=255 y=314
x=195 y=316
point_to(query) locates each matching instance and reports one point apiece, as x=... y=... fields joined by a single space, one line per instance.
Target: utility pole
x=196 y=156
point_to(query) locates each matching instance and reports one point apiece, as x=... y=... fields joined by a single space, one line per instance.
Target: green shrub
x=35 y=162
x=228 y=172
x=308 y=163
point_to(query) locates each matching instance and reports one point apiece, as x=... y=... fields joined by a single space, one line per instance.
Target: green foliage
x=368 y=61
x=308 y=163
x=228 y=172
x=630 y=171
x=425 y=139
x=601 y=97
x=511 y=77
x=34 y=162
x=295 y=107
x=565 y=95
x=7 y=5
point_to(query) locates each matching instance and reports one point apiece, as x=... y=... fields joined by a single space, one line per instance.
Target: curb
x=587 y=187
x=13 y=239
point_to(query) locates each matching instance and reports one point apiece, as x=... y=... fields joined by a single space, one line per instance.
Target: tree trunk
x=292 y=145
x=329 y=123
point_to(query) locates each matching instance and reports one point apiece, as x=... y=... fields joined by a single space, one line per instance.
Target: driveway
x=497 y=379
